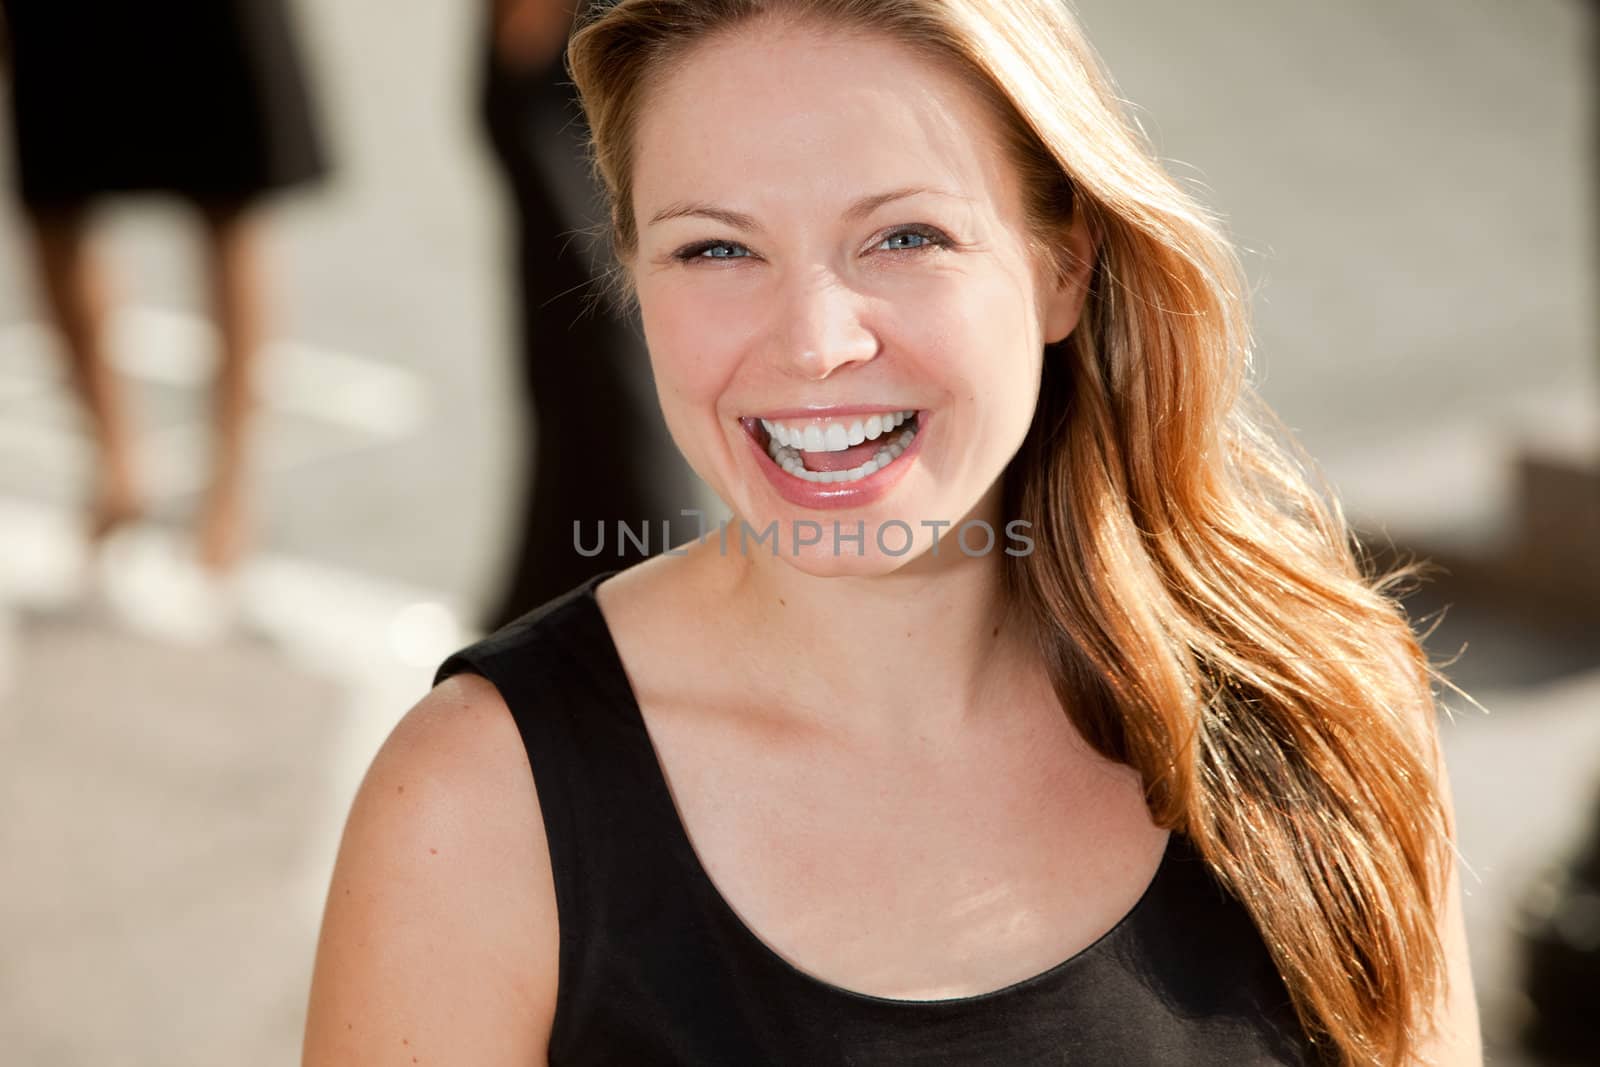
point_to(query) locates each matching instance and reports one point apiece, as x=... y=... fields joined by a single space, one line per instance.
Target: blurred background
x=1412 y=181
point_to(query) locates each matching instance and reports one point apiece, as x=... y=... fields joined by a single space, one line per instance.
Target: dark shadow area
x=1498 y=639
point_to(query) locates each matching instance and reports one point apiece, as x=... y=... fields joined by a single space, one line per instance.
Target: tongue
x=851 y=457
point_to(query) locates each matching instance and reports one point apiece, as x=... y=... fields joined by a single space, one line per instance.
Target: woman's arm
x=1458 y=1041
x=439 y=941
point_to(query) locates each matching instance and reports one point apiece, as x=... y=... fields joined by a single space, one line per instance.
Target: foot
x=112 y=509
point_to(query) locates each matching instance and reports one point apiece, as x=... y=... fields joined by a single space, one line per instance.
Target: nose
x=825 y=329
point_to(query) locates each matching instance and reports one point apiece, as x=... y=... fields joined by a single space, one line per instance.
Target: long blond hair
x=1203 y=609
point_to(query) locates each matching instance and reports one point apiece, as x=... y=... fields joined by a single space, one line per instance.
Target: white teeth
x=788 y=457
x=831 y=436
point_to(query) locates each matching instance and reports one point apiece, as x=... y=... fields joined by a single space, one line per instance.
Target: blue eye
x=913 y=239
x=919 y=238
x=713 y=250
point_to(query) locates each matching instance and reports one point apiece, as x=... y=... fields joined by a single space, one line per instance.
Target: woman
x=1150 y=778
x=205 y=100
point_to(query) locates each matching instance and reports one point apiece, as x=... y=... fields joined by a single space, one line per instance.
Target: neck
x=922 y=651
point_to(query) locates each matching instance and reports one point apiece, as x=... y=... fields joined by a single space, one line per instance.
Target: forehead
x=776 y=113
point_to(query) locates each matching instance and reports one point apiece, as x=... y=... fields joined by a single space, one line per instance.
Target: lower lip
x=838 y=495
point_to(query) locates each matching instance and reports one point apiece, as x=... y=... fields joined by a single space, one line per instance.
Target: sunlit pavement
x=176 y=757
x=177 y=753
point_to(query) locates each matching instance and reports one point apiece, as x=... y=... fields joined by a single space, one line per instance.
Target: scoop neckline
x=617 y=676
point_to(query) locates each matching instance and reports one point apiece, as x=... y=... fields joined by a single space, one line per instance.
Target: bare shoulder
x=1456 y=1038
x=440 y=937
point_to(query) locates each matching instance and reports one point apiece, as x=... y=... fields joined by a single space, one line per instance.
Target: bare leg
x=76 y=291
x=236 y=293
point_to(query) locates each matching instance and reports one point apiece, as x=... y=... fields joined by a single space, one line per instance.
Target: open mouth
x=834 y=451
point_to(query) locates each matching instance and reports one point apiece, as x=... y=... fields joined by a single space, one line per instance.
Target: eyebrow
x=740 y=221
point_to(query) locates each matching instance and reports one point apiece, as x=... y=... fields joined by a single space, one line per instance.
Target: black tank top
x=656 y=968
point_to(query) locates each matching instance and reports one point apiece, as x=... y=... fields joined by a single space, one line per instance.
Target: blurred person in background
x=201 y=99
x=600 y=449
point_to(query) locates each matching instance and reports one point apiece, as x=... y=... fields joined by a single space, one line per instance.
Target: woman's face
x=830 y=233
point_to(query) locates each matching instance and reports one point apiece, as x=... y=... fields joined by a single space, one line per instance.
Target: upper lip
x=842 y=411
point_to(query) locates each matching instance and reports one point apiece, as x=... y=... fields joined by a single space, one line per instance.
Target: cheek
x=978 y=339
x=695 y=337
x=970 y=328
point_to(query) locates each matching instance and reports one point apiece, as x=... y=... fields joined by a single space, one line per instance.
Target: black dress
x=656 y=968
x=205 y=99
